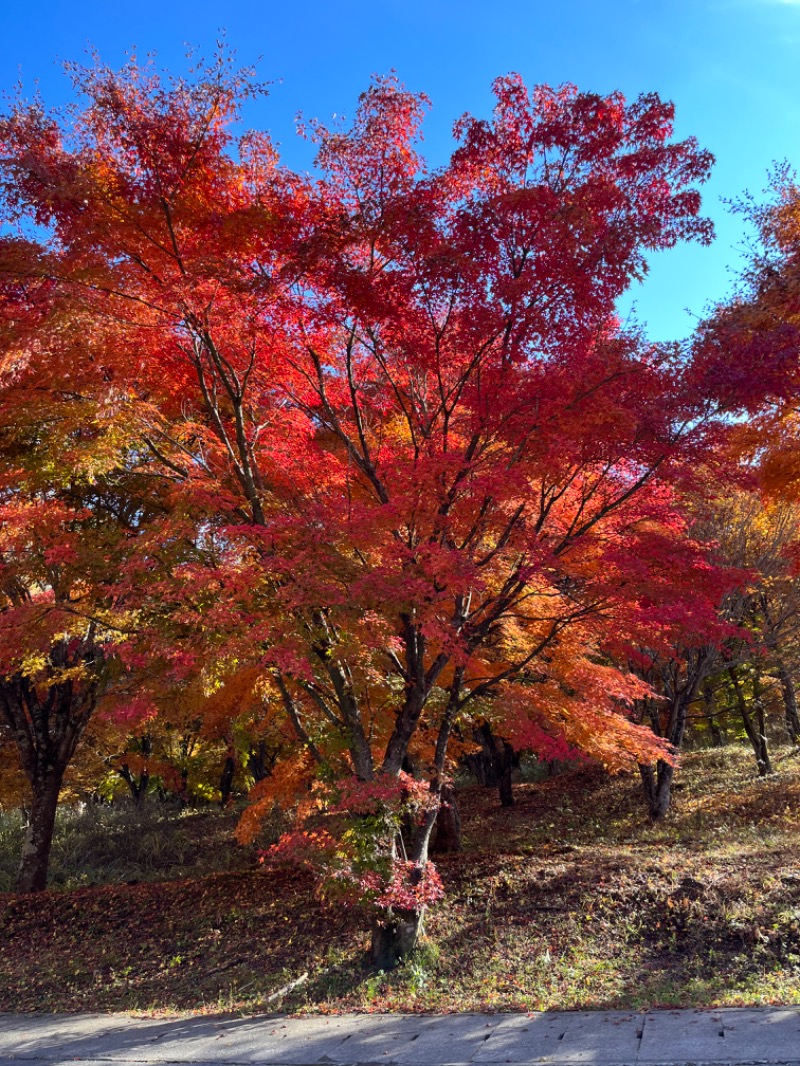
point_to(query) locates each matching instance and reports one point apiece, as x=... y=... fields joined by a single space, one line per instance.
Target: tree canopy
x=371 y=441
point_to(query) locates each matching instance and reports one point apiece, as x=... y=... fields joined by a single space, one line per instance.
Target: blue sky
x=732 y=67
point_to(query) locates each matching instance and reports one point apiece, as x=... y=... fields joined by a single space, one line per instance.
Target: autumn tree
x=198 y=737
x=758 y=328
x=414 y=453
x=677 y=641
x=70 y=506
x=759 y=535
x=742 y=628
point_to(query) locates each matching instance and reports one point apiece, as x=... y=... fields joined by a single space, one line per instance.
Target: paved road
x=674 y=1037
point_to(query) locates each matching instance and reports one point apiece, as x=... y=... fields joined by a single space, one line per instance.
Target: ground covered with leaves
x=569 y=899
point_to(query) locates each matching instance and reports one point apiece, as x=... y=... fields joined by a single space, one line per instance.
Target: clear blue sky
x=732 y=67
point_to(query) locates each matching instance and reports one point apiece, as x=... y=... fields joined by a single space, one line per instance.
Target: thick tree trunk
x=790 y=703
x=395 y=939
x=32 y=874
x=46 y=730
x=657 y=786
x=447 y=832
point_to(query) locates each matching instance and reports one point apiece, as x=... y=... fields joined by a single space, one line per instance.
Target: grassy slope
x=568 y=900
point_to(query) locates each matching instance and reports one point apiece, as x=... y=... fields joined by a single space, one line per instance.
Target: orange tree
x=757 y=330
x=71 y=506
x=412 y=453
x=200 y=738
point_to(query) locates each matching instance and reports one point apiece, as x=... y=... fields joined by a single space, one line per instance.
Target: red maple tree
x=411 y=453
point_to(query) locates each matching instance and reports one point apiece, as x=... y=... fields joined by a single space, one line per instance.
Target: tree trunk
x=755 y=733
x=183 y=795
x=226 y=781
x=504 y=754
x=395 y=939
x=32 y=874
x=480 y=765
x=762 y=724
x=447 y=838
x=494 y=763
x=657 y=783
x=395 y=936
x=46 y=730
x=138 y=788
x=790 y=703
x=258 y=762
x=657 y=786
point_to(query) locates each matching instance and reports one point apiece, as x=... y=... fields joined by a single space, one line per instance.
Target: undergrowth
x=98 y=844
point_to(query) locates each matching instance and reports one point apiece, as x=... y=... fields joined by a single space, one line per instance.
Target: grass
x=571 y=899
x=98 y=845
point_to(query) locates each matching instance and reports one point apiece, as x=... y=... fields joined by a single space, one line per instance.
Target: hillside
x=570 y=899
